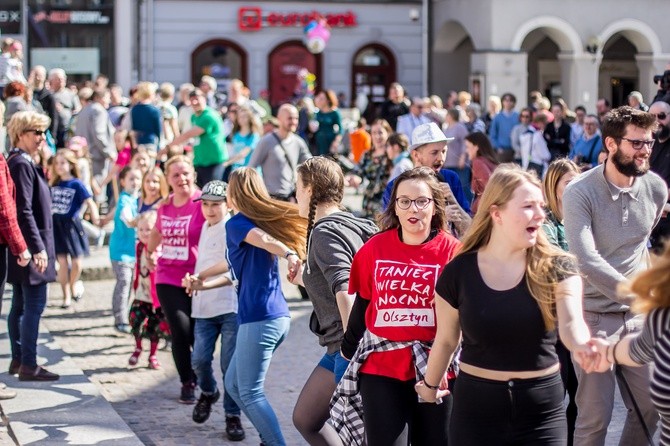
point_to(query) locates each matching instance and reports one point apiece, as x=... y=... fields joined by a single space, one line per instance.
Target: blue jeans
x=245 y=377
x=207 y=330
x=23 y=321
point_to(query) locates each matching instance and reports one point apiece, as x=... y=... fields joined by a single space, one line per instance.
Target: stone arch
x=450 y=35
x=637 y=32
x=451 y=53
x=560 y=31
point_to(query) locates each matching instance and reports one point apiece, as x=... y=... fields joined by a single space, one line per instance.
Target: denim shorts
x=334 y=362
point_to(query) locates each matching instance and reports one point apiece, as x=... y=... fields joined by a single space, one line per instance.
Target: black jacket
x=558 y=140
x=33 y=208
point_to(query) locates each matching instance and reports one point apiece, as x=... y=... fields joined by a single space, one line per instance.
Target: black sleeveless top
x=502 y=330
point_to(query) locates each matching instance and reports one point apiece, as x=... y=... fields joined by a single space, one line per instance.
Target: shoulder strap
x=593 y=146
x=288 y=159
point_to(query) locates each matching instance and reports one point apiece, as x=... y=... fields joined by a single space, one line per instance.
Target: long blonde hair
x=651 y=287
x=71 y=159
x=554 y=174
x=277 y=218
x=542 y=267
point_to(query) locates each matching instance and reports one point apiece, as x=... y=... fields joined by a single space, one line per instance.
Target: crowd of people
x=492 y=271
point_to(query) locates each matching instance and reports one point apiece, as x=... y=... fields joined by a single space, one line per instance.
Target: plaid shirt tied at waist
x=346 y=405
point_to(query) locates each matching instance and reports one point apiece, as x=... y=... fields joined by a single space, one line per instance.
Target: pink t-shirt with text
x=180 y=229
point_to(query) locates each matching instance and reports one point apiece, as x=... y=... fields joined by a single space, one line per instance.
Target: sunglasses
x=638 y=144
x=36 y=132
x=661 y=116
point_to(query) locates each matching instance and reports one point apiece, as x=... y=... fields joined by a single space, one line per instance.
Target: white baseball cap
x=426 y=134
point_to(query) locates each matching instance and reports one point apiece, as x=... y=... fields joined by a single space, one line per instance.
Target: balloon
x=317 y=35
x=316 y=45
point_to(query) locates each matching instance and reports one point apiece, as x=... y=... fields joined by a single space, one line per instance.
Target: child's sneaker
x=153 y=363
x=134 y=357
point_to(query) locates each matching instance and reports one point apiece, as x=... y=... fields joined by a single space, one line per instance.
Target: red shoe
x=135 y=357
x=153 y=363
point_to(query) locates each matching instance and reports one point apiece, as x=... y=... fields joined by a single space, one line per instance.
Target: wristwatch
x=289 y=253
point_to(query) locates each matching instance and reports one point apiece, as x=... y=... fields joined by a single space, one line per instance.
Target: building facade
x=575 y=49
x=571 y=48
x=372 y=44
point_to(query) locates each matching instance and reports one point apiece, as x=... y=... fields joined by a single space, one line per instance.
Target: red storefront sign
x=253 y=19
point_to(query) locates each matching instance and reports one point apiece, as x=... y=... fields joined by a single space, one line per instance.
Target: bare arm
x=261 y=239
x=446 y=341
x=345 y=302
x=190 y=133
x=571 y=326
x=214 y=270
x=154 y=240
x=93 y=209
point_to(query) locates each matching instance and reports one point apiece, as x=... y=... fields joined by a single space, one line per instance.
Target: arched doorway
x=452 y=51
x=551 y=45
x=220 y=58
x=544 y=70
x=285 y=64
x=618 y=74
x=373 y=70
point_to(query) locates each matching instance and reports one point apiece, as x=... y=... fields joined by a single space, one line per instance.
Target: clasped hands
x=192 y=283
x=592 y=356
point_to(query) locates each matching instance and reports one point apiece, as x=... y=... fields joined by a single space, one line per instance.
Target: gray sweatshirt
x=333 y=243
x=607 y=229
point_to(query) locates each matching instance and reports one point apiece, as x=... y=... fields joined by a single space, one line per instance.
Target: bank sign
x=251 y=18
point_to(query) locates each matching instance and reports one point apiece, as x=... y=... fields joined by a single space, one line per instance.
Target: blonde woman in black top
x=507 y=292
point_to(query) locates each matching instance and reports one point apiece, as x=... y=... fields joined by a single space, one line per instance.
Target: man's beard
x=628 y=167
x=663 y=133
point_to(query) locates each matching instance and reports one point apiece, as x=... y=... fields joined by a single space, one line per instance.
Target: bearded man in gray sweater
x=609 y=214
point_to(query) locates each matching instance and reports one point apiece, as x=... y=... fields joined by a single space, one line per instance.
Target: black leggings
x=569 y=378
x=176 y=306
x=505 y=413
x=394 y=416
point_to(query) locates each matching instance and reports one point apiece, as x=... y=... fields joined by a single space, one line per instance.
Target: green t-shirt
x=210 y=147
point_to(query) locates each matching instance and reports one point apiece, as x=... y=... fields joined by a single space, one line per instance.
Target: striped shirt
x=653 y=344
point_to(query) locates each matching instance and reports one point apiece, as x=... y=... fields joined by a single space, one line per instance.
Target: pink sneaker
x=134 y=357
x=153 y=363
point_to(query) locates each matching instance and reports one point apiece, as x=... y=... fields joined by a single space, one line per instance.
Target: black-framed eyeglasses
x=36 y=132
x=660 y=115
x=638 y=144
x=404 y=203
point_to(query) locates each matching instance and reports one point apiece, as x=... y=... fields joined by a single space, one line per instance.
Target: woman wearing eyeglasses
x=33 y=206
x=393 y=277
x=588 y=146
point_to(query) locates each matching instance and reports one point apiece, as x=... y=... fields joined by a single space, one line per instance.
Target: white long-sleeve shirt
x=534 y=148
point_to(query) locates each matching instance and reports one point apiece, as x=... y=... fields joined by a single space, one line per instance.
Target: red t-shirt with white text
x=399 y=280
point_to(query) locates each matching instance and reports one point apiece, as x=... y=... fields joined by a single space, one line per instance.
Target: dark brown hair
x=484 y=147
x=389 y=219
x=617 y=119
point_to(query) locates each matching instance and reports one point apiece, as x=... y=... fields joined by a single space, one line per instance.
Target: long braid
x=310 y=218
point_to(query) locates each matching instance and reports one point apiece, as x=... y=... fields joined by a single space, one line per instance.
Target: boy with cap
x=214 y=310
x=429 y=149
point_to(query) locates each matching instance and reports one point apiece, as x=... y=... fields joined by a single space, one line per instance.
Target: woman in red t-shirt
x=393 y=276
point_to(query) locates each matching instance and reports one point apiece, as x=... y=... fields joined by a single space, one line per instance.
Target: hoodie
x=333 y=242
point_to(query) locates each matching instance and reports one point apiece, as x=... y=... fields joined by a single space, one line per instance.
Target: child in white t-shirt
x=214 y=310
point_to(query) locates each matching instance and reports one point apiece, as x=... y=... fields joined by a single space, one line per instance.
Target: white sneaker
x=78 y=290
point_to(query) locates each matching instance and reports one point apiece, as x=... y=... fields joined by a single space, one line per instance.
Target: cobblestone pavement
x=147 y=399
